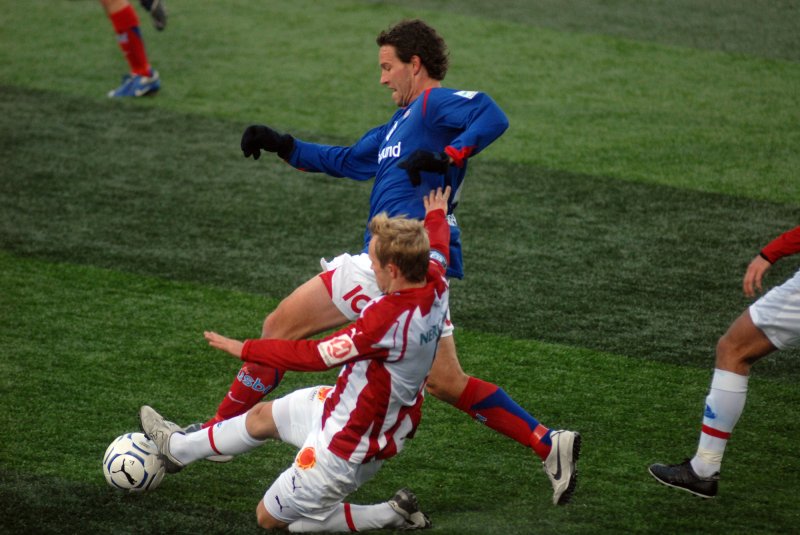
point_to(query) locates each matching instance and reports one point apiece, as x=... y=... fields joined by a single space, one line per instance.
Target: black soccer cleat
x=405 y=504
x=682 y=476
x=157 y=11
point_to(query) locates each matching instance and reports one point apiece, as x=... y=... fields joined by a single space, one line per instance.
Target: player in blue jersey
x=426 y=144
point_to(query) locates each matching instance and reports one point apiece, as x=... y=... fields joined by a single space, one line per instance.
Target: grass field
x=652 y=152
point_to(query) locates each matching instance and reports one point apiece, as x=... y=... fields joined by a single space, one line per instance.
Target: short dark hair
x=416 y=38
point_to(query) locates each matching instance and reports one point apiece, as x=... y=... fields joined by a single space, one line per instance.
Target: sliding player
x=344 y=433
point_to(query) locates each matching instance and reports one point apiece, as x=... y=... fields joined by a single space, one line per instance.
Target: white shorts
x=318 y=481
x=351 y=284
x=777 y=314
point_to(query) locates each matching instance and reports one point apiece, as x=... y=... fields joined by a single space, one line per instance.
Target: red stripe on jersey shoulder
x=425 y=100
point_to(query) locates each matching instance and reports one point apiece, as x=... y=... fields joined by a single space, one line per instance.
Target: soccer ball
x=131 y=463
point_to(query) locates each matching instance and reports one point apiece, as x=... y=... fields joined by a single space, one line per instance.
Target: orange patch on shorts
x=306 y=459
x=322 y=393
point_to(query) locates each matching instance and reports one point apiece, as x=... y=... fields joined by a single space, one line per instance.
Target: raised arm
x=436 y=224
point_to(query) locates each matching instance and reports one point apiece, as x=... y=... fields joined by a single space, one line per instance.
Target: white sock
x=724 y=406
x=349 y=517
x=229 y=437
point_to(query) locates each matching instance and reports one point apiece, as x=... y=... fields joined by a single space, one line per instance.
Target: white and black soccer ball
x=131 y=463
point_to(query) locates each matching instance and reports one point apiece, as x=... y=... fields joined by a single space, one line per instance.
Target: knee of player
x=728 y=352
x=266 y=520
x=266 y=327
x=260 y=423
x=274 y=327
x=447 y=389
x=279 y=325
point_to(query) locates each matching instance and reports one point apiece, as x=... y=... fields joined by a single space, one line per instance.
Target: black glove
x=257 y=137
x=423 y=160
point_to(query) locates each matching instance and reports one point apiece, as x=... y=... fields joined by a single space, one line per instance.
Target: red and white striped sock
x=724 y=406
x=225 y=438
x=351 y=517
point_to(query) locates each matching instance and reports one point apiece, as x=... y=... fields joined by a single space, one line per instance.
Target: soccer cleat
x=561 y=464
x=157 y=11
x=192 y=428
x=404 y=503
x=159 y=431
x=137 y=85
x=682 y=476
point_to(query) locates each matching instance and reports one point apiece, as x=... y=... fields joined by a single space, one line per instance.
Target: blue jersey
x=460 y=123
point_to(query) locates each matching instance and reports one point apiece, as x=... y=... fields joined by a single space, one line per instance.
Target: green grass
x=652 y=151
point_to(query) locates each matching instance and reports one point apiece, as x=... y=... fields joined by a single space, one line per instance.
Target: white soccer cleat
x=159 y=431
x=561 y=464
x=404 y=503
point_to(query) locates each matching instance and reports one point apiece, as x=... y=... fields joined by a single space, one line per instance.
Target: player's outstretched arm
x=754 y=275
x=229 y=345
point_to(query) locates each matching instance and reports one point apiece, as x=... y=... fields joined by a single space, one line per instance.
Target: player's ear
x=416 y=64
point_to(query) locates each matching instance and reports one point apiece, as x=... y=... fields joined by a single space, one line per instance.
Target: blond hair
x=403 y=242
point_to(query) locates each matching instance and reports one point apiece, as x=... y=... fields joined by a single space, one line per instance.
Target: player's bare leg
x=447 y=380
x=307 y=311
x=260 y=424
x=484 y=401
x=742 y=345
x=490 y=405
x=266 y=520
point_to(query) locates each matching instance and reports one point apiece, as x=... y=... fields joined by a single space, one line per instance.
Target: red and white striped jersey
x=385 y=355
x=377 y=400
